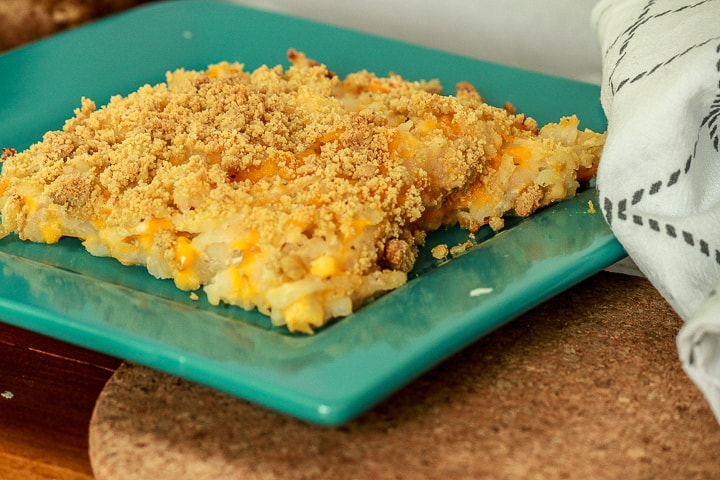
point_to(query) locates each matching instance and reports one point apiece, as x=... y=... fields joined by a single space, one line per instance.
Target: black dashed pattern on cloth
x=617 y=210
x=646 y=17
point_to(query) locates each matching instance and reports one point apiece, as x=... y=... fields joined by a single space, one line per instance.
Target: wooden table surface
x=47 y=393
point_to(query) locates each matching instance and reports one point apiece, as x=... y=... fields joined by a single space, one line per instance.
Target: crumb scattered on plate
x=461 y=248
x=440 y=251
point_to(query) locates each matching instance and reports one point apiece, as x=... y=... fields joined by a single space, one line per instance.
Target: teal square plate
x=347 y=367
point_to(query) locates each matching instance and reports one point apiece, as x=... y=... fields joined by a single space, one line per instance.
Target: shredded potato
x=291 y=191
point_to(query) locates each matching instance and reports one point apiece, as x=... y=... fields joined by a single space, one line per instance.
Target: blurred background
x=552 y=36
x=23 y=21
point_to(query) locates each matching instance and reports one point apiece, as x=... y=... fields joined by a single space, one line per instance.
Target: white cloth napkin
x=658 y=62
x=659 y=176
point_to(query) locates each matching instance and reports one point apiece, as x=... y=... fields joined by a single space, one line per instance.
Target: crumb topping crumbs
x=440 y=251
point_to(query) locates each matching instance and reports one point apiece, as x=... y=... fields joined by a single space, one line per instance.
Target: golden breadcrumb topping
x=287 y=190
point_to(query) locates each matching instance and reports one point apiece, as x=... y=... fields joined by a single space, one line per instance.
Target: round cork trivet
x=587 y=385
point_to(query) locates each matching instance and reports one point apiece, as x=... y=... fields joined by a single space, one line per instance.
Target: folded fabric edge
x=698 y=344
